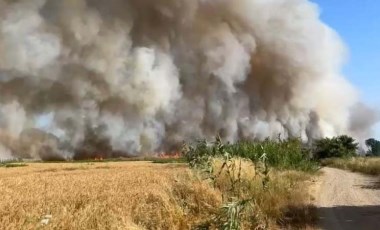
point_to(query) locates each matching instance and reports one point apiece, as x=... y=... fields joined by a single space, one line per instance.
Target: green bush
x=341 y=146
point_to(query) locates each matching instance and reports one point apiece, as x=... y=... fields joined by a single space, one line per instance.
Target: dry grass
x=366 y=165
x=137 y=195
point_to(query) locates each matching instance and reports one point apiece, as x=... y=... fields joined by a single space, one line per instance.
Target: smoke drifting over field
x=121 y=77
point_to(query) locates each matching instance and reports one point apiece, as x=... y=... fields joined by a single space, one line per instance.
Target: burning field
x=79 y=78
x=98 y=80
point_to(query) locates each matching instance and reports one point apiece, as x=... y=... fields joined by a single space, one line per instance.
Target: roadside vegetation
x=263 y=183
x=366 y=165
x=342 y=152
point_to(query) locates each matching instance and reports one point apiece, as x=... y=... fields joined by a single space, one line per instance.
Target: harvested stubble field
x=120 y=195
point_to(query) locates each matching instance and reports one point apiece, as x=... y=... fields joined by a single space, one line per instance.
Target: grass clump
x=366 y=165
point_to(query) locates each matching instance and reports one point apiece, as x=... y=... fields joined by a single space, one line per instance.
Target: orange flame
x=98 y=158
x=173 y=155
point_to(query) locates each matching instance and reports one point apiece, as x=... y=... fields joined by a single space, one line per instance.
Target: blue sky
x=358 y=24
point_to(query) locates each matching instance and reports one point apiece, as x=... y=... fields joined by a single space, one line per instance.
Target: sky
x=358 y=24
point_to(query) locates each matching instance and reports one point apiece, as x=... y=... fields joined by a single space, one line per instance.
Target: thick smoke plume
x=81 y=78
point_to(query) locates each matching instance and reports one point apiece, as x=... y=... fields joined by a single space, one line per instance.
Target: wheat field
x=138 y=195
x=132 y=195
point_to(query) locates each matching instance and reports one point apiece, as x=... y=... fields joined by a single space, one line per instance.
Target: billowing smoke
x=81 y=78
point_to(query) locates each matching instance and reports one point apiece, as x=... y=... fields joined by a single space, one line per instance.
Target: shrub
x=342 y=146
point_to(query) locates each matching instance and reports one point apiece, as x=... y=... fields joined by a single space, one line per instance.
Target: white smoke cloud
x=125 y=77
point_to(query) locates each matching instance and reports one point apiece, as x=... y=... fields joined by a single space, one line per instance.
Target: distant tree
x=373 y=146
x=341 y=146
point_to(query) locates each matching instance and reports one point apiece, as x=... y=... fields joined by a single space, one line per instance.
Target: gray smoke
x=81 y=78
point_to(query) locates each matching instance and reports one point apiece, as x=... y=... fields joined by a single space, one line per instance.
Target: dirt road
x=348 y=200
